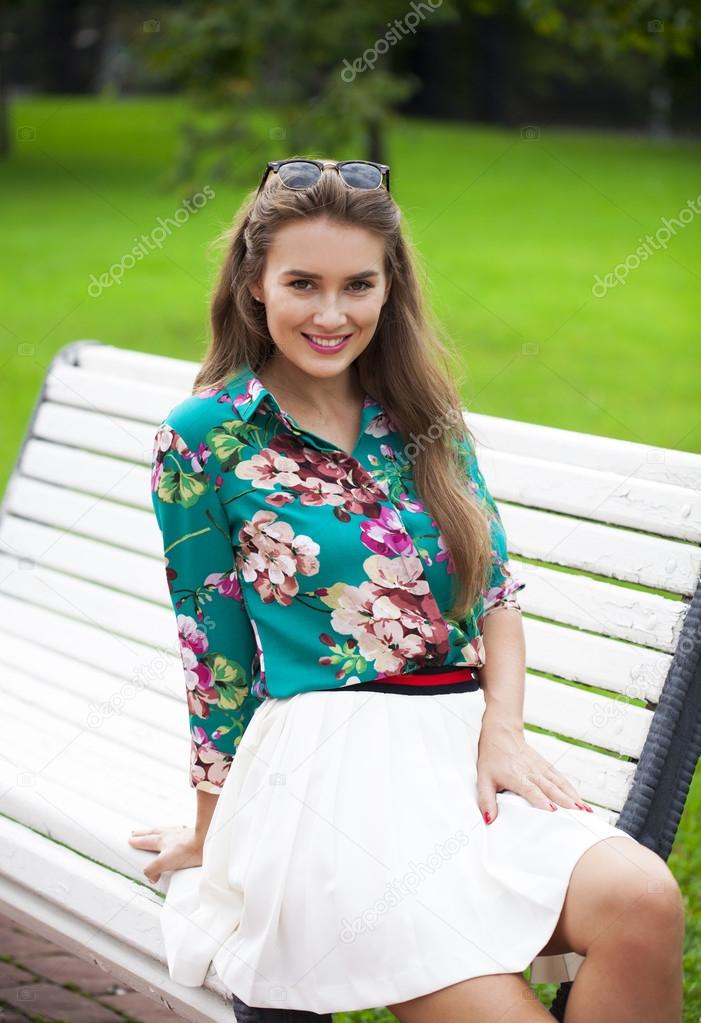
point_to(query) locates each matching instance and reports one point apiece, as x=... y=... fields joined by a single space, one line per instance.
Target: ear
x=254 y=289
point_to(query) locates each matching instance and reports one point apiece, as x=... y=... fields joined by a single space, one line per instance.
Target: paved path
x=40 y=981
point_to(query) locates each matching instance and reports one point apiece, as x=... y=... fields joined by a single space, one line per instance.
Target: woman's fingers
x=146 y=838
x=560 y=788
x=551 y=794
x=176 y=844
x=154 y=836
x=153 y=872
x=527 y=773
x=561 y=782
x=564 y=799
x=554 y=785
x=534 y=793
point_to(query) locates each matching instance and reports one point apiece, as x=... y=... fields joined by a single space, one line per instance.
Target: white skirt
x=347 y=865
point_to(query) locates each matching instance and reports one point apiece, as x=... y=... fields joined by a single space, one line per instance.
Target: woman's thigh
x=614 y=883
x=501 y=998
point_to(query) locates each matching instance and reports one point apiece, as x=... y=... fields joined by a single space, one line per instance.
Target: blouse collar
x=247 y=393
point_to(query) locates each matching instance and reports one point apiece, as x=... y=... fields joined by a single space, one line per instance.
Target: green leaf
x=229 y=679
x=176 y=487
x=228 y=441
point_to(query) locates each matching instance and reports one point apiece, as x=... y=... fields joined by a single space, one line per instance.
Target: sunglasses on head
x=297 y=174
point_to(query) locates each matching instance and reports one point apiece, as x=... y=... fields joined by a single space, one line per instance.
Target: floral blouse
x=293 y=565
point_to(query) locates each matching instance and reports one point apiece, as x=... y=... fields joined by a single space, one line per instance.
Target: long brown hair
x=406 y=366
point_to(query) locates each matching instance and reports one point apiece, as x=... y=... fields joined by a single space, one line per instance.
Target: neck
x=322 y=394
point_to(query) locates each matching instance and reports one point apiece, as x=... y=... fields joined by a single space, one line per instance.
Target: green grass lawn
x=512 y=233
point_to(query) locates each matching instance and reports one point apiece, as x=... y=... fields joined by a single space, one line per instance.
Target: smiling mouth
x=320 y=341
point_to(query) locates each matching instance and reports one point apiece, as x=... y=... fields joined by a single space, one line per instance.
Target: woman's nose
x=330 y=315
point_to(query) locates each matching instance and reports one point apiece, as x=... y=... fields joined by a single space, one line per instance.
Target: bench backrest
x=606 y=534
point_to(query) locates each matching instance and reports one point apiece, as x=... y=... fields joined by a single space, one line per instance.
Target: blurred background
x=546 y=156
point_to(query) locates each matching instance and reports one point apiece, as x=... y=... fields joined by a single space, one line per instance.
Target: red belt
x=459 y=679
x=432 y=678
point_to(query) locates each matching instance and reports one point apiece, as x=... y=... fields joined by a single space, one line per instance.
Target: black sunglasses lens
x=361 y=175
x=299 y=174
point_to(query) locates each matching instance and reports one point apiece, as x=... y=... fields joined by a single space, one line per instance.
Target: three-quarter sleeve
x=503 y=586
x=215 y=635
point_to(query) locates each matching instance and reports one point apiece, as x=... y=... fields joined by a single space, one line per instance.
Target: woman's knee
x=639 y=897
x=659 y=905
x=618 y=889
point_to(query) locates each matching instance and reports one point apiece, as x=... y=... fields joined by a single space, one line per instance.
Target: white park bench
x=94 y=723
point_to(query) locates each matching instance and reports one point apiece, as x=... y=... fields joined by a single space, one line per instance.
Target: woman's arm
x=215 y=635
x=206 y=805
x=502 y=677
x=505 y=760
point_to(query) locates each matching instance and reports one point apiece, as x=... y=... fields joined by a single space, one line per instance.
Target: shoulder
x=193 y=418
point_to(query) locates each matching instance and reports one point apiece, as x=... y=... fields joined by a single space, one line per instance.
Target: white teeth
x=325 y=342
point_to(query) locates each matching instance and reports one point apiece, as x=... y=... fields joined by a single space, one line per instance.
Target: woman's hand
x=506 y=761
x=178 y=847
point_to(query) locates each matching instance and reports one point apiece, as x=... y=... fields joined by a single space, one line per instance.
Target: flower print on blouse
x=294 y=566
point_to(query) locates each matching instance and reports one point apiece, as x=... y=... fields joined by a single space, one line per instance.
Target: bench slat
x=653 y=561
x=111 y=394
x=95 y=700
x=128 y=364
x=88 y=602
x=86 y=430
x=72 y=469
x=73 y=751
x=626 y=668
x=104 y=563
x=82 y=643
x=668 y=510
x=591 y=451
x=604 y=608
x=588 y=717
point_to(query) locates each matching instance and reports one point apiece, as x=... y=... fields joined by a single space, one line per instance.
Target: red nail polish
x=553 y=806
x=580 y=806
x=487 y=817
x=589 y=808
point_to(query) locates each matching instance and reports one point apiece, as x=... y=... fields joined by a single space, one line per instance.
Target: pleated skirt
x=347 y=865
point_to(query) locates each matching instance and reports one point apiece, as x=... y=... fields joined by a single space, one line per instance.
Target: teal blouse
x=294 y=566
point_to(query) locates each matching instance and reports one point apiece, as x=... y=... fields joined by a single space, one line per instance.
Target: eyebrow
x=308 y=273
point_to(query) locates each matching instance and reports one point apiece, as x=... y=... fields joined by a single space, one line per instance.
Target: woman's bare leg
x=623 y=912
x=500 y=998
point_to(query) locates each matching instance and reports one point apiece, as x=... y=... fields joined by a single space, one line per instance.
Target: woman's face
x=323 y=282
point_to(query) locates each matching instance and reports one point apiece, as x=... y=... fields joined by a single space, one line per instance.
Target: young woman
x=372 y=827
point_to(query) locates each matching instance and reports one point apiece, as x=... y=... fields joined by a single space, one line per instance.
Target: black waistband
x=391 y=687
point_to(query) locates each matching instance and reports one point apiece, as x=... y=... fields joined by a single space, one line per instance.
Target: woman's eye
x=305 y=280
